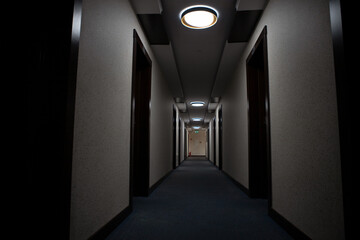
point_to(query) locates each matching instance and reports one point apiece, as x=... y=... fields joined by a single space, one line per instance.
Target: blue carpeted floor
x=197 y=201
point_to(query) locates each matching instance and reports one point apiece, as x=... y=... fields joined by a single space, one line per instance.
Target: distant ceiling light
x=199 y=17
x=197 y=104
x=196 y=127
x=196 y=119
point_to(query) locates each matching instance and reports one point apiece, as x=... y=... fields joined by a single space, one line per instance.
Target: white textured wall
x=100 y=178
x=235 y=128
x=160 y=127
x=306 y=181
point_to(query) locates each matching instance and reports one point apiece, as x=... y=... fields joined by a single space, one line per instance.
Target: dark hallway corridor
x=141 y=123
x=197 y=201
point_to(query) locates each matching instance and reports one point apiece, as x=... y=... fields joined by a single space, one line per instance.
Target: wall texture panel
x=306 y=175
x=101 y=155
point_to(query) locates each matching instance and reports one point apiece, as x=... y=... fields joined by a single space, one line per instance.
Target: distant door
x=174 y=138
x=214 y=141
x=185 y=143
x=207 y=144
x=140 y=121
x=179 y=141
x=197 y=143
x=220 y=139
x=259 y=119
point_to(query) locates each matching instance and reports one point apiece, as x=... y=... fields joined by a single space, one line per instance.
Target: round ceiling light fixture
x=197 y=103
x=199 y=17
x=196 y=119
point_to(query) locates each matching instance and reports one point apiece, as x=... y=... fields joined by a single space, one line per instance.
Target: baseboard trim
x=239 y=185
x=155 y=185
x=278 y=218
x=103 y=232
x=288 y=226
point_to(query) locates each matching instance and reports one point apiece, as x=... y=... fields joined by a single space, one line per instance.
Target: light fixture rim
x=198 y=8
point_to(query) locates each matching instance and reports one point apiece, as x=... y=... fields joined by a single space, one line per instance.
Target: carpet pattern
x=197 y=201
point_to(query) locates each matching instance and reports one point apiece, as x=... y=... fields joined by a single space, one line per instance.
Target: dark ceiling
x=198 y=63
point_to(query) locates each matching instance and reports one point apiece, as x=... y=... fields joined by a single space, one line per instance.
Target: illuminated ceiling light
x=196 y=119
x=199 y=17
x=197 y=103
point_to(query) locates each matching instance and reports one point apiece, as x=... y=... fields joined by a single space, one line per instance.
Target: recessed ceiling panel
x=146 y=6
x=242 y=5
x=181 y=107
x=154 y=29
x=198 y=62
x=244 y=25
x=229 y=60
x=198 y=51
x=165 y=57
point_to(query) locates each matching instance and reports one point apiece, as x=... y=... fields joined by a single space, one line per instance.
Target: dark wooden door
x=140 y=143
x=214 y=121
x=48 y=42
x=220 y=139
x=174 y=138
x=258 y=120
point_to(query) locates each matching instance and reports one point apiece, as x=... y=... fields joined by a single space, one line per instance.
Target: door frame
x=261 y=43
x=344 y=48
x=138 y=48
x=220 y=127
x=174 y=138
x=179 y=141
x=208 y=143
x=214 y=121
x=49 y=63
x=185 y=142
